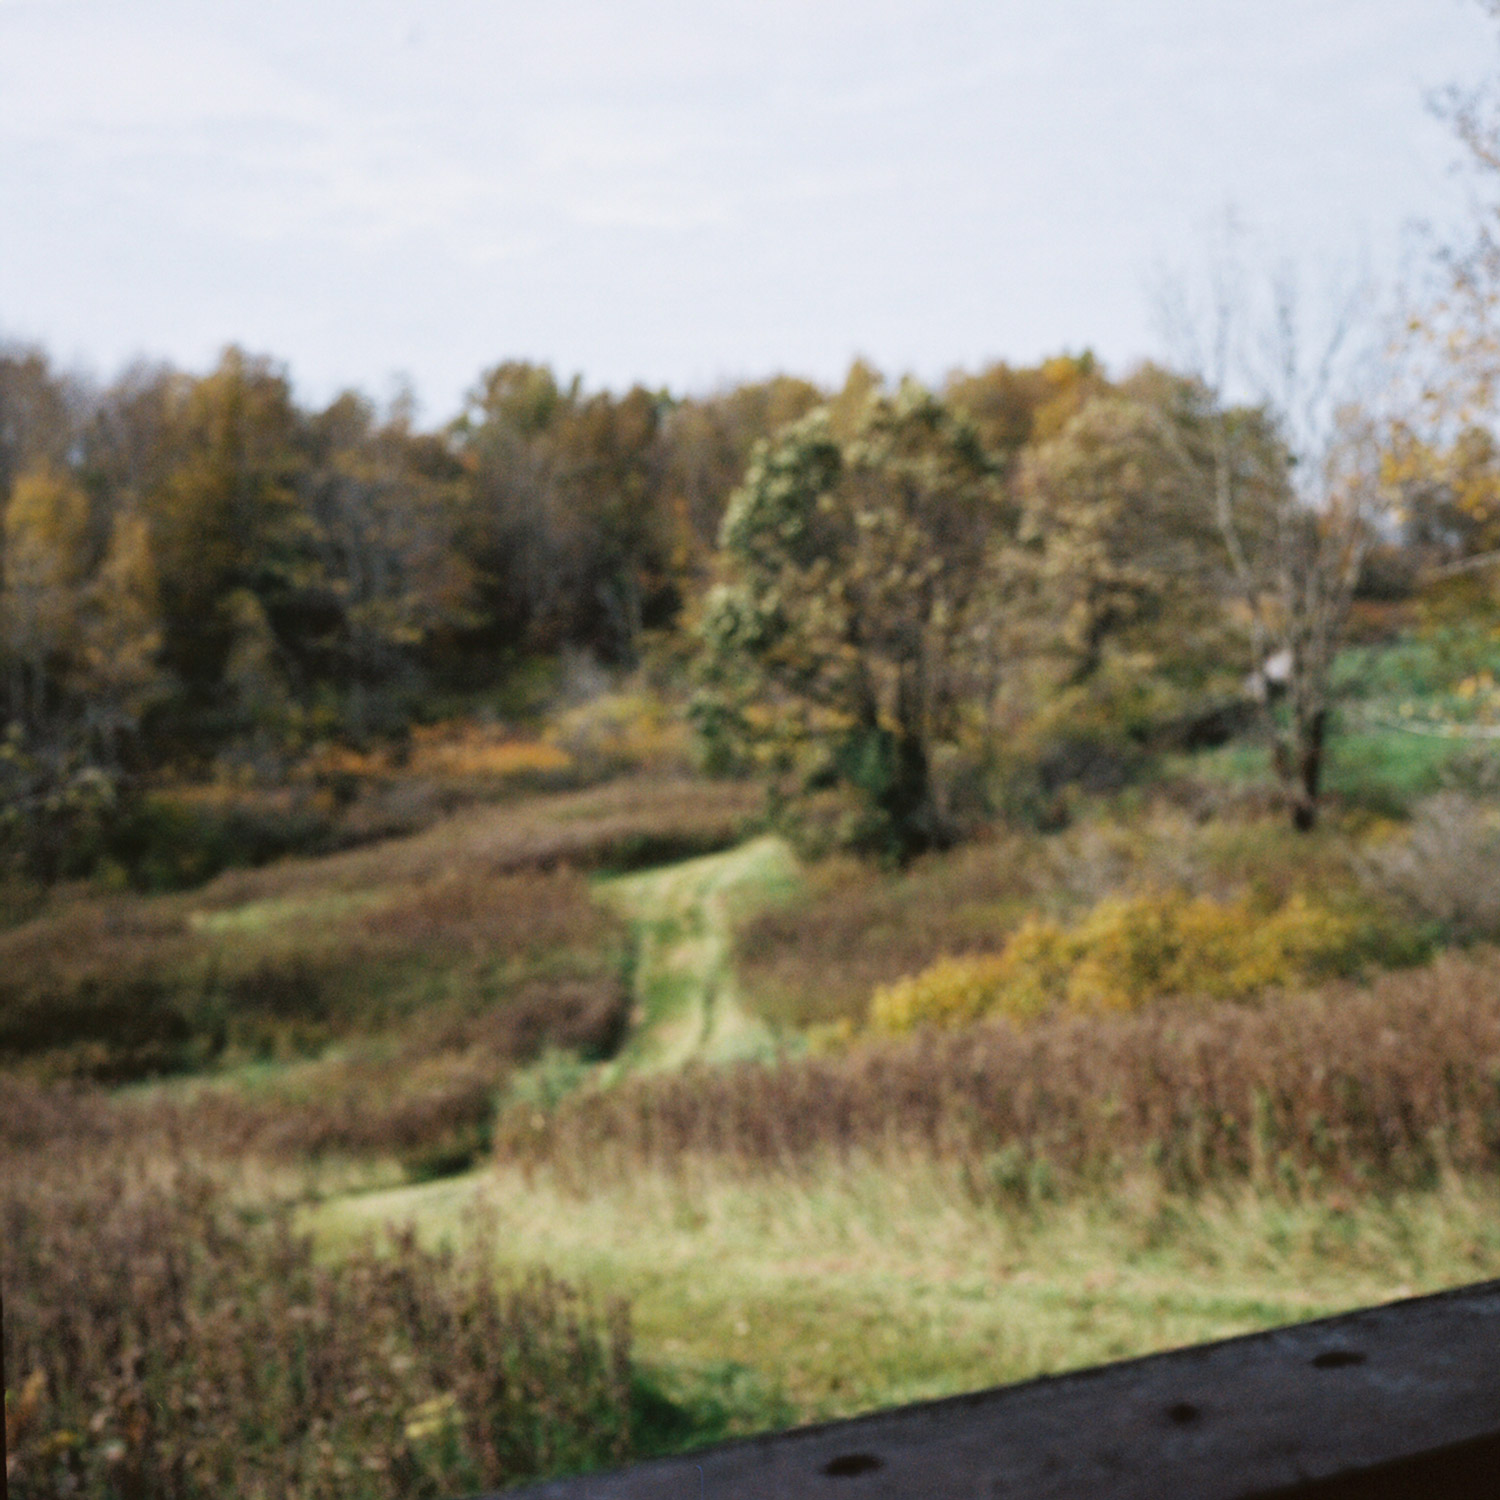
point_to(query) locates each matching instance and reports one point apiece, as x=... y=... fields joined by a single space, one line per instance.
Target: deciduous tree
x=1131 y=568
x=1296 y=492
x=859 y=612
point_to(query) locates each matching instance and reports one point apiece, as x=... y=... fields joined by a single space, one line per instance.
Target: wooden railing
x=1394 y=1401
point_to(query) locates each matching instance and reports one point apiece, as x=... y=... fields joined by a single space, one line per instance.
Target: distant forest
x=196 y=569
x=190 y=560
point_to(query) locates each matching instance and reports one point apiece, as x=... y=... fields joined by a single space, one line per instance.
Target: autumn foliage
x=1127 y=951
x=239 y=1363
x=1377 y=1087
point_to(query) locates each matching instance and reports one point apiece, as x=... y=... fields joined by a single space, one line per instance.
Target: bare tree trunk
x=1299 y=763
x=1295 y=504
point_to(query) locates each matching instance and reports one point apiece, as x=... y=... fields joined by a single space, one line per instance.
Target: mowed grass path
x=686 y=1001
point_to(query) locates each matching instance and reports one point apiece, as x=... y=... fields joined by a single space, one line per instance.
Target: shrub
x=473 y=752
x=950 y=992
x=1383 y=1087
x=1129 y=949
x=161 y=1345
x=1447 y=867
x=56 y=809
x=625 y=731
x=815 y=960
x=168 y=841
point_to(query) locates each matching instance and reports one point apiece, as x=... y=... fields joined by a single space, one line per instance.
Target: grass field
x=870 y=1286
x=579 y=1024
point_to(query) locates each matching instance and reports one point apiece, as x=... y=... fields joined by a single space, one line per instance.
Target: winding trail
x=687 y=1007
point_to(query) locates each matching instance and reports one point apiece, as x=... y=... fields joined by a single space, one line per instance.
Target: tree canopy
x=891 y=586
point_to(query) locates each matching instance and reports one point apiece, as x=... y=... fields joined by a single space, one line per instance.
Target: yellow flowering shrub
x=1127 y=950
x=949 y=992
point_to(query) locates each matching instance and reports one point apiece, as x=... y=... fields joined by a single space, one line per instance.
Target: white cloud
x=669 y=187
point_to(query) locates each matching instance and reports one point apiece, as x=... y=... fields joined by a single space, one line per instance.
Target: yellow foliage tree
x=45 y=561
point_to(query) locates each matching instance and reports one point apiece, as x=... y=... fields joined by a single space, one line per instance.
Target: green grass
x=1425 y=665
x=1382 y=770
x=1372 y=762
x=256 y=917
x=1388 y=770
x=867 y=1287
x=687 y=1000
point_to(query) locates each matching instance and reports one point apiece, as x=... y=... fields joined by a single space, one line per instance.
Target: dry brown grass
x=1385 y=1086
x=621 y=825
x=424 y=1097
x=100 y=979
x=125 y=989
x=161 y=1344
x=819 y=958
x=1445 y=867
x=487 y=912
x=32 y=1116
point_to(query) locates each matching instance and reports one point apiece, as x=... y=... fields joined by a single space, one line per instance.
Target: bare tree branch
x=1297 y=544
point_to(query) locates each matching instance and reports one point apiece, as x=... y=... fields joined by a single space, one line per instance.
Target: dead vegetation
x=483 y=924
x=238 y=1364
x=1381 y=1087
x=819 y=959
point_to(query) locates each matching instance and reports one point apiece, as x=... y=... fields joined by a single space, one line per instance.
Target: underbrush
x=162 y=1343
x=117 y=990
x=483 y=926
x=622 y=825
x=854 y=929
x=176 y=833
x=1444 y=869
x=816 y=959
x=1128 y=951
x=1376 y=1088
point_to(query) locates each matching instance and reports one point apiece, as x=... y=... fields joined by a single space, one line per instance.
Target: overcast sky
x=687 y=192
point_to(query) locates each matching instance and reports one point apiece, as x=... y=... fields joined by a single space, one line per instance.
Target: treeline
x=191 y=562
x=195 y=567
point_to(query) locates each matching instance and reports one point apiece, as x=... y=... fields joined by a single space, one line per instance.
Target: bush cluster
x=1445 y=867
x=159 y=1344
x=1380 y=1087
x=1126 y=951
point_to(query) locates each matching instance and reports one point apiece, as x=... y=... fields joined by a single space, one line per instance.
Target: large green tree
x=860 y=610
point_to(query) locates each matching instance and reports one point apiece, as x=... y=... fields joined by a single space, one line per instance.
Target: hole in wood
x=1183 y=1413
x=1336 y=1359
x=847 y=1465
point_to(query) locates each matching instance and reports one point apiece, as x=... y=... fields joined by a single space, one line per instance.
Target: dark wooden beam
x=1387 y=1403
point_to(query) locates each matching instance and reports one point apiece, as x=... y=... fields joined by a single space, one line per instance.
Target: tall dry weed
x=1445 y=867
x=162 y=1345
x=123 y=989
x=1382 y=1087
x=817 y=959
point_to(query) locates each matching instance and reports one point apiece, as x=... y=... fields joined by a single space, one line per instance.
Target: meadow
x=567 y=1123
